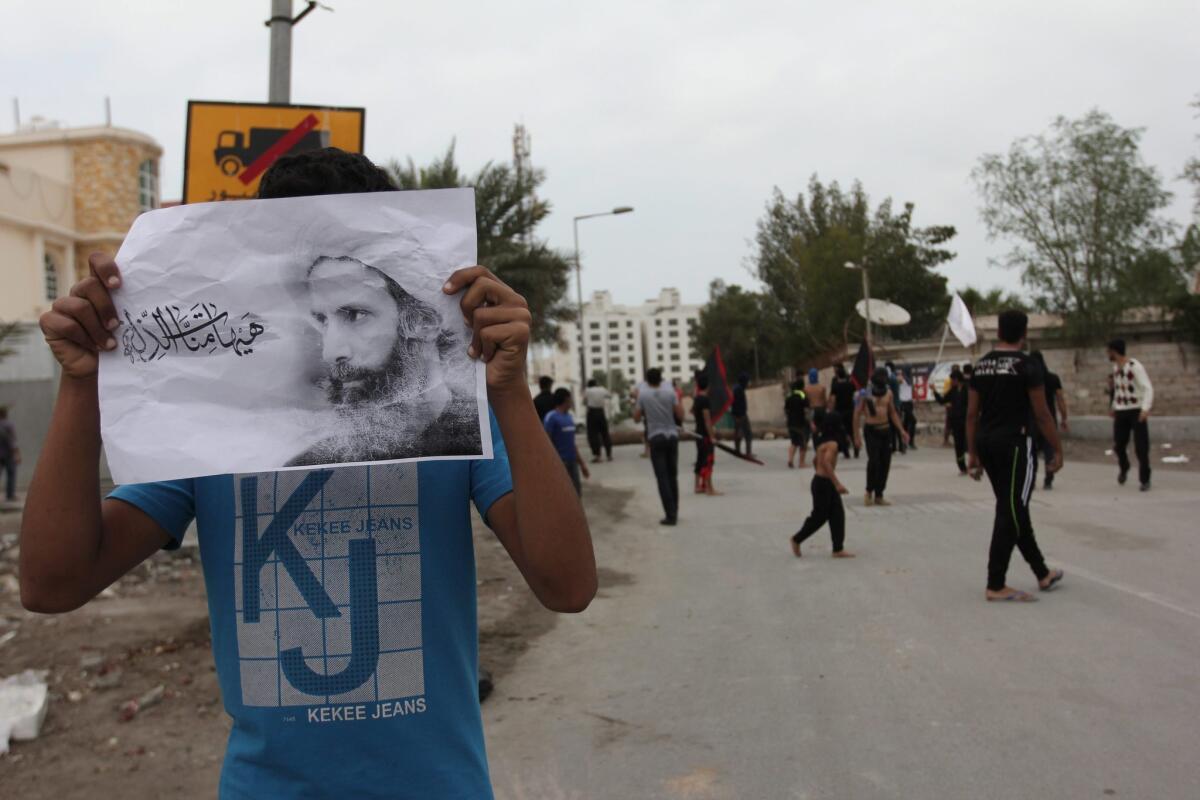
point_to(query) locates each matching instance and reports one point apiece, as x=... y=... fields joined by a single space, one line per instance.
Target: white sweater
x=1131 y=387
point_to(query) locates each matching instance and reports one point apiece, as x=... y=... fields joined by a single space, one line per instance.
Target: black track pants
x=1012 y=469
x=827 y=507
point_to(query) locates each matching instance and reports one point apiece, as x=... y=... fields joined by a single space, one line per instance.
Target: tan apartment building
x=65 y=193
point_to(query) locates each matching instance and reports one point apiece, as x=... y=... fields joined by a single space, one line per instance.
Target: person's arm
x=855 y=422
x=974 y=467
x=73 y=545
x=894 y=416
x=541 y=523
x=831 y=457
x=583 y=468
x=1145 y=389
x=637 y=411
x=1045 y=424
x=708 y=428
x=1060 y=397
x=677 y=410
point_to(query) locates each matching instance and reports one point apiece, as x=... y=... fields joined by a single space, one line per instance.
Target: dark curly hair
x=328 y=170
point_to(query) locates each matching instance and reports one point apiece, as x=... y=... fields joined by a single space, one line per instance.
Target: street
x=713 y=664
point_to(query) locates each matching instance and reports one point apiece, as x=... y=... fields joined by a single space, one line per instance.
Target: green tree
x=992 y=301
x=747 y=326
x=1191 y=171
x=802 y=247
x=507 y=212
x=1082 y=210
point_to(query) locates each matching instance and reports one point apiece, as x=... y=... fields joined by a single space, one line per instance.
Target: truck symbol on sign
x=232 y=154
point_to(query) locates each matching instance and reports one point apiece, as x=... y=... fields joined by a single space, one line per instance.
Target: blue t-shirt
x=561 y=427
x=342 y=605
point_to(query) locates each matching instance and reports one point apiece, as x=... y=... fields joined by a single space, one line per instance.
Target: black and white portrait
x=349 y=351
x=385 y=355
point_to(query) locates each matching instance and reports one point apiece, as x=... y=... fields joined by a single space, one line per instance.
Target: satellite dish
x=883 y=312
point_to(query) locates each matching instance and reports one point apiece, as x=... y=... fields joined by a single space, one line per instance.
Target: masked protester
x=873 y=421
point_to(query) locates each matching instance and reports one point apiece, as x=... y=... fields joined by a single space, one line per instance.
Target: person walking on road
x=795 y=409
x=1058 y=412
x=543 y=401
x=841 y=400
x=560 y=426
x=909 y=419
x=595 y=397
x=10 y=455
x=955 y=401
x=873 y=421
x=827 y=490
x=659 y=406
x=1133 y=397
x=741 y=417
x=705 y=451
x=1006 y=404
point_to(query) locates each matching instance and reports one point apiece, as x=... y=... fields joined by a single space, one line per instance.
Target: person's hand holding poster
x=293 y=333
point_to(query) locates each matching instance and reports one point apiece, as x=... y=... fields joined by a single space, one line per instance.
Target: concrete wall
x=1174 y=369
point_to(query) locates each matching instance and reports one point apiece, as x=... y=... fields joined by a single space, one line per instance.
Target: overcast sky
x=689 y=111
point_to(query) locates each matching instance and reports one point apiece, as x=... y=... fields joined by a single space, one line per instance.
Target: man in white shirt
x=595 y=398
x=1132 y=399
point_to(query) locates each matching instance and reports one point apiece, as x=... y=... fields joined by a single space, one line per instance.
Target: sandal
x=1055 y=577
x=1017 y=596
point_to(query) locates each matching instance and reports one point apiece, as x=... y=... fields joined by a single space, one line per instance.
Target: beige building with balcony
x=65 y=193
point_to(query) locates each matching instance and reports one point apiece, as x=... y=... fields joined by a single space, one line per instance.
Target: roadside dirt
x=150 y=630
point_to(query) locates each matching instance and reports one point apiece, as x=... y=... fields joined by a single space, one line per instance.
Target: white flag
x=960 y=321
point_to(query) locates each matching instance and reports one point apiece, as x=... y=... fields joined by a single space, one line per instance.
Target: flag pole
x=942 y=346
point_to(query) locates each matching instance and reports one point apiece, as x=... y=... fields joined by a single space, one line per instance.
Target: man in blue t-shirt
x=560 y=425
x=342 y=601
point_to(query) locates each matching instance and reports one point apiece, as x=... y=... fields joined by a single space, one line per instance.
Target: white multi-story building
x=627 y=340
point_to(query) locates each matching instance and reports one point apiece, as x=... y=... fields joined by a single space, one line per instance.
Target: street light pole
x=579 y=288
x=866 y=298
x=279 y=84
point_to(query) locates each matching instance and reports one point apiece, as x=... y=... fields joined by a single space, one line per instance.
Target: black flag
x=864 y=365
x=719 y=396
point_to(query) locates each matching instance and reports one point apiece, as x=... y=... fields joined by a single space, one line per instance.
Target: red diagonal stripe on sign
x=285 y=143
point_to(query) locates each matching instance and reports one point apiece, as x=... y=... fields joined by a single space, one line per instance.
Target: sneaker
x=1121 y=476
x=868 y=499
x=1145 y=487
x=882 y=501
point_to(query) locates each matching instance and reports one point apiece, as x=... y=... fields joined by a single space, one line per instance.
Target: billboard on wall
x=228 y=146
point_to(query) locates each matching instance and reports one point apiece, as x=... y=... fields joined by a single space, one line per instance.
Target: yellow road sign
x=229 y=145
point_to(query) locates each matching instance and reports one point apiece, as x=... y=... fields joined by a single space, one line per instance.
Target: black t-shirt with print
x=1003 y=379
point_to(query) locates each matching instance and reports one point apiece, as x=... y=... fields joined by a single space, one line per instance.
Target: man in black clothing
x=543 y=401
x=1005 y=404
x=841 y=400
x=741 y=419
x=702 y=410
x=955 y=401
x=795 y=409
x=1057 y=403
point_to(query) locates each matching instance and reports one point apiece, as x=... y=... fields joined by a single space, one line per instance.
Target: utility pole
x=281 y=23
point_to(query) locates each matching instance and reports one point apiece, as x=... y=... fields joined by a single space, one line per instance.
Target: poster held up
x=293 y=333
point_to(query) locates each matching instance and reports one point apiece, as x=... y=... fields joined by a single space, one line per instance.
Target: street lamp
x=866 y=297
x=579 y=287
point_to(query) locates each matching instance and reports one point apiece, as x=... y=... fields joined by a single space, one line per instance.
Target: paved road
x=715 y=665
